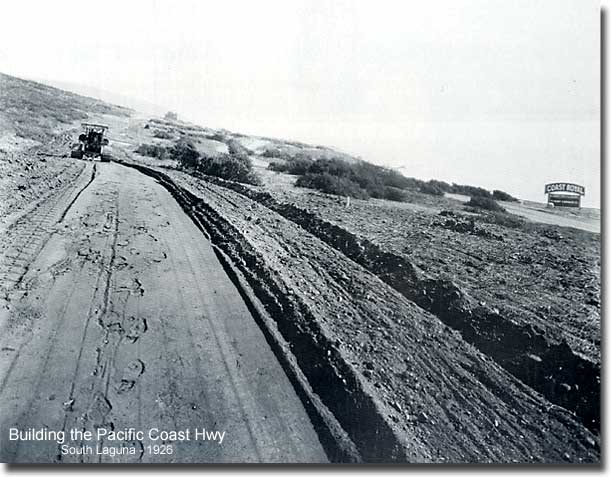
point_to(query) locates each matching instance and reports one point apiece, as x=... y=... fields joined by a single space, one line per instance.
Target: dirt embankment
x=403 y=385
x=544 y=362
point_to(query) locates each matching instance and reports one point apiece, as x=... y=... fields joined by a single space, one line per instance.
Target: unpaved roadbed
x=441 y=399
x=126 y=318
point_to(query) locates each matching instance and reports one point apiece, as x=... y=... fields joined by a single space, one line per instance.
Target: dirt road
x=582 y=219
x=554 y=217
x=124 y=318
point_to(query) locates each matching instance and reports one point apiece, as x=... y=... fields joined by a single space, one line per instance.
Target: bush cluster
x=155 y=150
x=234 y=167
x=161 y=134
x=471 y=191
x=298 y=166
x=435 y=187
x=185 y=152
x=235 y=148
x=226 y=166
x=276 y=153
x=395 y=194
x=374 y=181
x=331 y=184
x=431 y=189
x=503 y=196
x=337 y=176
x=487 y=203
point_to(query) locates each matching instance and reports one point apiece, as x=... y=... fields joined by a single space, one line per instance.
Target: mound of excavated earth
x=553 y=356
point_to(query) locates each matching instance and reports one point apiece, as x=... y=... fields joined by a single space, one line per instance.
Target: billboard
x=565 y=200
x=565 y=187
x=564 y=194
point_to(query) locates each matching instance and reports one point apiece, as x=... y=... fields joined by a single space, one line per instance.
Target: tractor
x=91 y=143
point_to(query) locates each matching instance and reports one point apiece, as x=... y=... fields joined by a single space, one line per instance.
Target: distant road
x=584 y=219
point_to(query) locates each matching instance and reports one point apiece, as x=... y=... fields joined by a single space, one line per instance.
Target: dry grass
x=36 y=112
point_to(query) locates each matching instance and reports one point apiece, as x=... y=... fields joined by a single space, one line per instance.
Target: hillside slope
x=31 y=111
x=36 y=118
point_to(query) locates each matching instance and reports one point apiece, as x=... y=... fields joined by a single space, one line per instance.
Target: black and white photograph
x=300 y=232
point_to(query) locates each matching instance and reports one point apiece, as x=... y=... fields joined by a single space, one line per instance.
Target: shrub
x=374 y=179
x=278 y=166
x=154 y=150
x=331 y=184
x=394 y=194
x=334 y=175
x=161 y=134
x=470 y=191
x=186 y=154
x=297 y=166
x=275 y=153
x=332 y=166
x=431 y=188
x=388 y=177
x=444 y=186
x=486 y=203
x=236 y=148
x=378 y=190
x=229 y=167
x=503 y=196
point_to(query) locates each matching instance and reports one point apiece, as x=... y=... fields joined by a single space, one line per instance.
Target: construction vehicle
x=91 y=143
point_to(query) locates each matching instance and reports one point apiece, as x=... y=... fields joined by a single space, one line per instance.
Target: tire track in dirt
x=27 y=229
x=53 y=348
x=75 y=198
x=29 y=234
x=218 y=335
x=106 y=271
x=139 y=326
x=28 y=415
x=225 y=361
x=115 y=330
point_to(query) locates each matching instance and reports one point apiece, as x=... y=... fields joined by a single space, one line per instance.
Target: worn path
x=124 y=318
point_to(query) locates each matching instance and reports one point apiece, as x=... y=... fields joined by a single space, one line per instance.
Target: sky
x=502 y=94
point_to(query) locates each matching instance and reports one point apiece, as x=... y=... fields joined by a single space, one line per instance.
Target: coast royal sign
x=564 y=194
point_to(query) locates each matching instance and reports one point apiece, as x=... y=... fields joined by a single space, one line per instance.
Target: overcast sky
x=500 y=93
